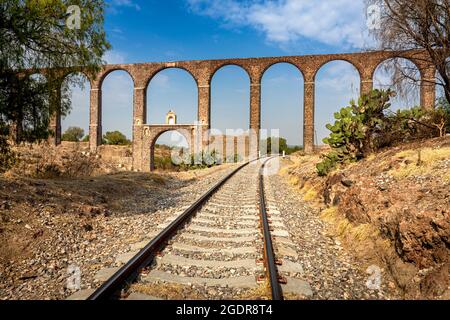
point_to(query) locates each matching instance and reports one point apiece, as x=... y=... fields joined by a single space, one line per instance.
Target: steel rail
x=269 y=255
x=128 y=272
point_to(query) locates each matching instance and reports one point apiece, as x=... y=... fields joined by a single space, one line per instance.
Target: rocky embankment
x=392 y=209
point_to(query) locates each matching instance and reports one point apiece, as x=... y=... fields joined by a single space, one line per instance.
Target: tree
x=34 y=35
x=418 y=24
x=73 y=134
x=441 y=116
x=115 y=138
x=282 y=146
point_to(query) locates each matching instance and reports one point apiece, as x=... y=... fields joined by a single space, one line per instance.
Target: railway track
x=221 y=247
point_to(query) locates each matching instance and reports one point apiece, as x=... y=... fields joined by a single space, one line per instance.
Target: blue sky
x=150 y=30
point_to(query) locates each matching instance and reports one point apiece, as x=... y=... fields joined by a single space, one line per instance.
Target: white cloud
x=285 y=22
x=114 y=57
x=125 y=3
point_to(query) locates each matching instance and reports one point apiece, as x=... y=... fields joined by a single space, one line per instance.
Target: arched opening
x=117 y=108
x=230 y=110
x=282 y=105
x=172 y=89
x=75 y=97
x=168 y=150
x=337 y=82
x=33 y=119
x=402 y=76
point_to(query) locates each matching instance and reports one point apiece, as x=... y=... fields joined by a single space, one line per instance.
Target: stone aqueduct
x=144 y=136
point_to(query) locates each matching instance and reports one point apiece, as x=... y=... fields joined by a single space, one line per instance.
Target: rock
x=424 y=239
x=4 y=205
x=38 y=233
x=333 y=189
x=90 y=211
x=298 y=287
x=404 y=273
x=436 y=282
x=347 y=183
x=87 y=227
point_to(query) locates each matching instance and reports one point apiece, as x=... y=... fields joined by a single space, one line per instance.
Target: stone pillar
x=428 y=88
x=55 y=127
x=95 y=119
x=204 y=112
x=255 y=118
x=139 y=119
x=55 y=120
x=308 y=117
x=140 y=106
x=366 y=86
x=204 y=104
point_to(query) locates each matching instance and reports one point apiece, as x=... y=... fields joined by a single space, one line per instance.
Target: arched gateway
x=203 y=70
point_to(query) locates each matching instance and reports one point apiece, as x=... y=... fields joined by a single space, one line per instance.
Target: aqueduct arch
x=147 y=138
x=203 y=70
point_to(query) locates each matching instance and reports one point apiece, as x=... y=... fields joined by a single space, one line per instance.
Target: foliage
x=115 y=138
x=364 y=128
x=7 y=157
x=85 y=139
x=73 y=134
x=282 y=146
x=444 y=106
x=417 y=24
x=33 y=35
x=416 y=123
x=356 y=129
x=205 y=159
x=443 y=103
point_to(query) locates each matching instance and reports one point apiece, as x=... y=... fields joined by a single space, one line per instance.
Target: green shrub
x=115 y=138
x=206 y=159
x=73 y=134
x=282 y=146
x=363 y=128
x=356 y=129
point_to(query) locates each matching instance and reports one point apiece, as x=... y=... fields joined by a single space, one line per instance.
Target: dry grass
x=262 y=292
x=309 y=193
x=167 y=291
x=420 y=162
x=172 y=291
x=364 y=239
x=294 y=180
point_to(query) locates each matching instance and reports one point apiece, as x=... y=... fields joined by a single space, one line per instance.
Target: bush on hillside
x=363 y=128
